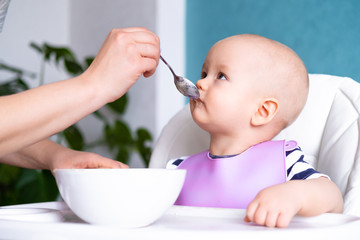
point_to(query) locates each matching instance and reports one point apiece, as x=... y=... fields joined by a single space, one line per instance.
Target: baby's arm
x=277 y=205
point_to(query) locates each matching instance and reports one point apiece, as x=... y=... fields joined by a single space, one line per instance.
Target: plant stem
x=42 y=72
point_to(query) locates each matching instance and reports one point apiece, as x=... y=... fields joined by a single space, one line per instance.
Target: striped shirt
x=297 y=167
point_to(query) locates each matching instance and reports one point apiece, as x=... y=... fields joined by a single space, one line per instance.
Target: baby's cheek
x=192 y=105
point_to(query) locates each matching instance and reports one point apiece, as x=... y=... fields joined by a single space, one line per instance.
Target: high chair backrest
x=327 y=130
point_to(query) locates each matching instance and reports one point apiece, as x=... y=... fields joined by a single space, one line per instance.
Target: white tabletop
x=54 y=220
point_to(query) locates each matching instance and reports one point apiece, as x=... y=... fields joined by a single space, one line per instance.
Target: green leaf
x=100 y=116
x=49 y=186
x=88 y=61
x=118 y=135
x=119 y=105
x=11 y=69
x=37 y=186
x=17 y=71
x=59 y=54
x=8 y=193
x=109 y=136
x=72 y=67
x=29 y=186
x=143 y=139
x=8 y=174
x=36 y=47
x=63 y=53
x=13 y=86
x=21 y=85
x=47 y=52
x=27 y=176
x=74 y=138
x=57 y=59
x=123 y=155
x=123 y=133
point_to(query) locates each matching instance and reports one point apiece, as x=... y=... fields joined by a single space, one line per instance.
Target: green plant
x=18 y=185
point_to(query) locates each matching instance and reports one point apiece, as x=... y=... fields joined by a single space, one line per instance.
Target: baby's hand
x=274 y=206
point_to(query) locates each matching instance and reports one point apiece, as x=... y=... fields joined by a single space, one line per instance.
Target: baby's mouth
x=198 y=101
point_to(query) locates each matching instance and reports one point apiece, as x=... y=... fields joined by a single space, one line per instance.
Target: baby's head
x=250 y=83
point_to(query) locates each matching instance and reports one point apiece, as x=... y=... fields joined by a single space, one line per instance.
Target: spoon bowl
x=183 y=85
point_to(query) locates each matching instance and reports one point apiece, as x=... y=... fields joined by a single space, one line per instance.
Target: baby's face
x=227 y=88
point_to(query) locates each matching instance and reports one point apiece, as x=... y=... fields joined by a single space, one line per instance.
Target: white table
x=58 y=222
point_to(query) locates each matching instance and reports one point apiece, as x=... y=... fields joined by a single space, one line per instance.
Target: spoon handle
x=172 y=71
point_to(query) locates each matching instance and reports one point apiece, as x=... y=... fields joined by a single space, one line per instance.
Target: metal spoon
x=185 y=86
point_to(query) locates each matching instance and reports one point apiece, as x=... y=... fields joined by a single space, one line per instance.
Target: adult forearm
x=34 y=115
x=35 y=156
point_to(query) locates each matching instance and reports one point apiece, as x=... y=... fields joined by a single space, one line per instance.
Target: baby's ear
x=265 y=112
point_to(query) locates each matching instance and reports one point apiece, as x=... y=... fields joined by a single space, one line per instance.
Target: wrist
x=92 y=91
x=59 y=153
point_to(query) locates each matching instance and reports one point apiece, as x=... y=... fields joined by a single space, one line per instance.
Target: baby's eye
x=221 y=76
x=203 y=75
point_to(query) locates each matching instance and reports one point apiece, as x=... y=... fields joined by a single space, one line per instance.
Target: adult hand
x=75 y=159
x=47 y=154
x=125 y=55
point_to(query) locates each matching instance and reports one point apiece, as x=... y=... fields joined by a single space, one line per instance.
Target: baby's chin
x=202 y=122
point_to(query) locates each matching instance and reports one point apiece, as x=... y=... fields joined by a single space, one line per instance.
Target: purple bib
x=233 y=182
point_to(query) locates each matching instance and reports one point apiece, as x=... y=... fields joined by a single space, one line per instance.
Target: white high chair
x=328 y=131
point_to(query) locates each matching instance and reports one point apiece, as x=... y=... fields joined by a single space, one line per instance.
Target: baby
x=251 y=88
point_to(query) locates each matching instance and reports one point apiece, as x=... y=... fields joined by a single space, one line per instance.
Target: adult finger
x=132 y=29
x=139 y=35
x=109 y=163
x=146 y=37
x=148 y=66
x=97 y=161
x=148 y=50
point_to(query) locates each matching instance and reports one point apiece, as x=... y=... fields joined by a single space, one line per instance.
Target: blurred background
x=324 y=33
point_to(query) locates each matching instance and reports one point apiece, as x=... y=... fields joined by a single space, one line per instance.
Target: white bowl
x=123 y=197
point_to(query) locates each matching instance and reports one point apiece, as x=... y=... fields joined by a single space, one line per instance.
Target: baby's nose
x=201 y=84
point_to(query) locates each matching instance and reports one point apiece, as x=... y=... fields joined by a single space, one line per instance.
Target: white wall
x=171 y=29
x=33 y=21
x=83 y=25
